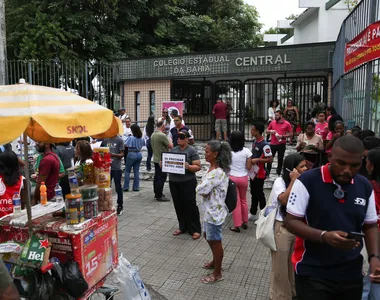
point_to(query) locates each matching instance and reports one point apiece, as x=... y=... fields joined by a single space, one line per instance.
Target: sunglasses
x=182 y=137
x=164 y=112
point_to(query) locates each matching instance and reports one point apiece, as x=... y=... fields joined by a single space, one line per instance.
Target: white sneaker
x=256 y=222
x=253 y=217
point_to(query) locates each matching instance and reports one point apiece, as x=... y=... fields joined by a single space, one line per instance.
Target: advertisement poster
x=363 y=48
x=173 y=105
x=173 y=163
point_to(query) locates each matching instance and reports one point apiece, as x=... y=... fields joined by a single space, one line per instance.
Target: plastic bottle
x=58 y=194
x=43 y=193
x=16 y=200
x=73 y=181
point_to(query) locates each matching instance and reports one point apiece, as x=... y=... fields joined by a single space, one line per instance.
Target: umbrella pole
x=27 y=176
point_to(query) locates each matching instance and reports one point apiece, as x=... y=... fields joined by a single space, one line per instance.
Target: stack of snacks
x=102 y=167
x=90 y=200
x=105 y=199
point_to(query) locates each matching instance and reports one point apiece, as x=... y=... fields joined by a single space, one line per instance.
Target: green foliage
x=109 y=30
x=351 y=4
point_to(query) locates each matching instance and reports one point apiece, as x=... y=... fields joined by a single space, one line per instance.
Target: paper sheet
x=253 y=172
x=96 y=145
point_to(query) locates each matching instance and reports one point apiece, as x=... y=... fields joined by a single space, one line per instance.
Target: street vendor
x=11 y=181
x=48 y=171
x=8 y=290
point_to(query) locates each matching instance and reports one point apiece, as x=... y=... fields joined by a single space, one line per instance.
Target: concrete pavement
x=172 y=266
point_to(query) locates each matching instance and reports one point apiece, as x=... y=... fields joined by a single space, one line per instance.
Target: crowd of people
x=327 y=193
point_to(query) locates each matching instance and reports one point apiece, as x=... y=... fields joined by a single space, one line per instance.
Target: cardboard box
x=94 y=247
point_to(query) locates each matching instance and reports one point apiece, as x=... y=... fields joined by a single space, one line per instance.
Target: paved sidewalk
x=171 y=266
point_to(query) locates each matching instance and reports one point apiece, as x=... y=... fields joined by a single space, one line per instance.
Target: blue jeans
x=116 y=176
x=133 y=160
x=150 y=154
x=370 y=291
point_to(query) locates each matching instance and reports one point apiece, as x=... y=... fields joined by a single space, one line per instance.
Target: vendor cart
x=53 y=116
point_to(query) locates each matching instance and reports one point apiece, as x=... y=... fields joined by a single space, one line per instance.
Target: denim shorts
x=213 y=232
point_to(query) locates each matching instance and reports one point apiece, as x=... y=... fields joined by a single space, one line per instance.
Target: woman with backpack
x=213 y=192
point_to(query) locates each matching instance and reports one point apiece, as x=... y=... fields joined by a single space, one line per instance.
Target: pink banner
x=173 y=105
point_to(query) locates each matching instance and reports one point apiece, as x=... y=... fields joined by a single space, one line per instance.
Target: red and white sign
x=173 y=105
x=363 y=48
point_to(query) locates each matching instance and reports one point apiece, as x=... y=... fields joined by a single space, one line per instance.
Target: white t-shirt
x=239 y=162
x=278 y=188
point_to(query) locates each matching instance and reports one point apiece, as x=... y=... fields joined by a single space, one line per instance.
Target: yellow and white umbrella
x=51 y=115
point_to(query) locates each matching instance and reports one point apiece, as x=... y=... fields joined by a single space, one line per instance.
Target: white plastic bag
x=265 y=225
x=132 y=286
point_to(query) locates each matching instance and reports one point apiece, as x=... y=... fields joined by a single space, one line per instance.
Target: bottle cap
x=43 y=183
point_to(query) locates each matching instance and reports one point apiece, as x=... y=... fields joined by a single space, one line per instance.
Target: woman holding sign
x=182 y=188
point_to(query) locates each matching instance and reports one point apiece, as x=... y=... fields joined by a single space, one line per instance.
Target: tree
x=115 y=29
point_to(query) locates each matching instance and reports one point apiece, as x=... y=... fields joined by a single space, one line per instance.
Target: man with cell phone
x=332 y=210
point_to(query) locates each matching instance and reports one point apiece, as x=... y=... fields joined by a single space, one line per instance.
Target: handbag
x=231 y=197
x=265 y=224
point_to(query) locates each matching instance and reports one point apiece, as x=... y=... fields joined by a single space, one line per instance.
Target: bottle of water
x=73 y=181
x=16 y=200
x=58 y=194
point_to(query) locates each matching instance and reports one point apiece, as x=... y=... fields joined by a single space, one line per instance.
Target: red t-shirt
x=282 y=128
x=220 y=110
x=49 y=166
x=320 y=129
x=6 y=195
x=376 y=191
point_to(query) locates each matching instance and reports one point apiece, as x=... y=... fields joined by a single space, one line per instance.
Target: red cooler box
x=94 y=246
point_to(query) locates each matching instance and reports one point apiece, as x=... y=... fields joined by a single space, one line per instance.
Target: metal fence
x=355 y=95
x=95 y=81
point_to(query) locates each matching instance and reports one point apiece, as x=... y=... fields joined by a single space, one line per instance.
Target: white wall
x=324 y=26
x=307 y=32
x=330 y=22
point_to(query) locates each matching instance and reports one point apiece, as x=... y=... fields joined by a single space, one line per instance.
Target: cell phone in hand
x=357 y=236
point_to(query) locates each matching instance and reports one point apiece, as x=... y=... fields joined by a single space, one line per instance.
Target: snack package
x=102 y=167
x=105 y=202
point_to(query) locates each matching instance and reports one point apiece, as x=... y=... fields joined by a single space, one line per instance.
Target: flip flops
x=209 y=279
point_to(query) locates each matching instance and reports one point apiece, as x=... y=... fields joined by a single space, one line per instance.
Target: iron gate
x=95 y=81
x=257 y=96
x=301 y=90
x=231 y=91
x=356 y=94
x=197 y=97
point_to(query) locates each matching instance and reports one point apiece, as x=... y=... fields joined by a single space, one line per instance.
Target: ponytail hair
x=224 y=157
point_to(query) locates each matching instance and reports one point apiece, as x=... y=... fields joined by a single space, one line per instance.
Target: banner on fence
x=173 y=105
x=363 y=48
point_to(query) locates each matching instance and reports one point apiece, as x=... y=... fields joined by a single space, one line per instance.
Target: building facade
x=248 y=79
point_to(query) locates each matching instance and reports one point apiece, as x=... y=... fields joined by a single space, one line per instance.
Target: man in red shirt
x=280 y=129
x=220 y=111
x=48 y=171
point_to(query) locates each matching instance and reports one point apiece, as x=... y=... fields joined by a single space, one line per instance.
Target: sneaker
x=120 y=210
x=163 y=199
x=253 y=217
x=126 y=190
x=136 y=190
